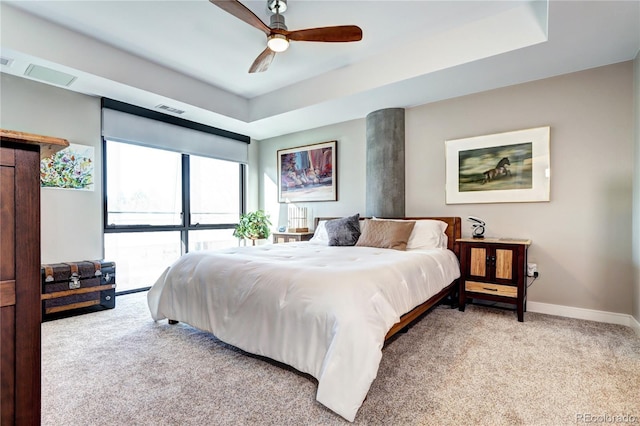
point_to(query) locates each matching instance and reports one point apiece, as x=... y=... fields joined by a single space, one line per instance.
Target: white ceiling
x=194 y=56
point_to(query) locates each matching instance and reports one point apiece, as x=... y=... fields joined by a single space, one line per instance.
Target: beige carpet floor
x=118 y=367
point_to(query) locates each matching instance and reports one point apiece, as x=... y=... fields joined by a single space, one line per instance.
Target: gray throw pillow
x=344 y=231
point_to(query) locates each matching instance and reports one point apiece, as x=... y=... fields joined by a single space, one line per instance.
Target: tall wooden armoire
x=20 y=304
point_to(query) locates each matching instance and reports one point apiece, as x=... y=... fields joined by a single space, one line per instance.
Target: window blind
x=122 y=126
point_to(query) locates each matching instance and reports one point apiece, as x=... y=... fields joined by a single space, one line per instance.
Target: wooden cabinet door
x=504 y=266
x=478 y=262
x=493 y=263
x=20 y=307
x=7 y=287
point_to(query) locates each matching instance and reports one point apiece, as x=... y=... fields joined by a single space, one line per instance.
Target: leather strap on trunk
x=97 y=266
x=73 y=267
x=48 y=273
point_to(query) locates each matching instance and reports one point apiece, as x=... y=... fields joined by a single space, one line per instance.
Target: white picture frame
x=507 y=167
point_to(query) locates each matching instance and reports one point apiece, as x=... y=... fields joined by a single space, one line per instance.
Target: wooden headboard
x=453 y=231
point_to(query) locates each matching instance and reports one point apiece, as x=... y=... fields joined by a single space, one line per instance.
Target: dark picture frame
x=308 y=173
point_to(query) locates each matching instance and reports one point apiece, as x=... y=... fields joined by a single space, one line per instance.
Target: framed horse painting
x=505 y=167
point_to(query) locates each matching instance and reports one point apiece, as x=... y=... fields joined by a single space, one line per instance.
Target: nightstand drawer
x=497 y=289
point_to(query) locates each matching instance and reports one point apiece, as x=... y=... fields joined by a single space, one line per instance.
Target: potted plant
x=253 y=226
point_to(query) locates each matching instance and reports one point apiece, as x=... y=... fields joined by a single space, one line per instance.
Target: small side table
x=291 y=237
x=494 y=269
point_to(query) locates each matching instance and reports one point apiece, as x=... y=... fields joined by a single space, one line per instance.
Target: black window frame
x=186 y=224
x=185 y=215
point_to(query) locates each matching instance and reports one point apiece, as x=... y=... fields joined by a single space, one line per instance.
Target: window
x=209 y=239
x=178 y=188
x=211 y=200
x=161 y=204
x=143 y=185
x=141 y=257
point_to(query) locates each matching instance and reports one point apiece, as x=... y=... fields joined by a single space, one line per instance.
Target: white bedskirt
x=323 y=310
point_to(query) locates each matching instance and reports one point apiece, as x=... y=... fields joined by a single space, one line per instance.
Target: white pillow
x=426 y=234
x=320 y=235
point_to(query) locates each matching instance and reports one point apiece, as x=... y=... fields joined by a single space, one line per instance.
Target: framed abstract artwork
x=308 y=173
x=500 y=168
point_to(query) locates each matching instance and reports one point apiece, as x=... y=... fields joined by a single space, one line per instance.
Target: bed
x=325 y=310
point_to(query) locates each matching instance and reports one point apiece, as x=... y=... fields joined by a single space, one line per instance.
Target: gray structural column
x=385 y=163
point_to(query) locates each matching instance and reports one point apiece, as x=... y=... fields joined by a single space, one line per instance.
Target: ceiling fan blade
x=263 y=61
x=338 y=34
x=241 y=12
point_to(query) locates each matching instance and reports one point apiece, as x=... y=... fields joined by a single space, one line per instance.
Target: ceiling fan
x=278 y=36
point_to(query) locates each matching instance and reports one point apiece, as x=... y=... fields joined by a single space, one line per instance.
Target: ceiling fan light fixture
x=278 y=43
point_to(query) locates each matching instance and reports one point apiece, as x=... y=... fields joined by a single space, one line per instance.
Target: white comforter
x=323 y=310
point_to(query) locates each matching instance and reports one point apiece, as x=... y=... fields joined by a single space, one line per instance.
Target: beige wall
x=350 y=158
x=581 y=238
x=252 y=196
x=636 y=190
x=71 y=221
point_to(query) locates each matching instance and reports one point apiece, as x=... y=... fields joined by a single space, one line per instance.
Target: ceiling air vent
x=170 y=109
x=49 y=75
x=6 y=61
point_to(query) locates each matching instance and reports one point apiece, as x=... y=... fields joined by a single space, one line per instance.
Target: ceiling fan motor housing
x=277 y=22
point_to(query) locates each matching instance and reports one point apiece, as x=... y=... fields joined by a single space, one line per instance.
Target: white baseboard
x=586 y=314
x=635 y=325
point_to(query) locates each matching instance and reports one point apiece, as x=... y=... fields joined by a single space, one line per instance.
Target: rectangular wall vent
x=170 y=109
x=49 y=75
x=6 y=61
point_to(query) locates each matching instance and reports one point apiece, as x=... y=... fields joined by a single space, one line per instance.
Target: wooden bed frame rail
x=416 y=312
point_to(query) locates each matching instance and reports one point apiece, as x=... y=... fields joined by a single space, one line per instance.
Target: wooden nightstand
x=291 y=237
x=494 y=269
